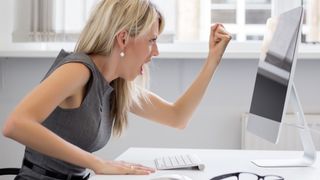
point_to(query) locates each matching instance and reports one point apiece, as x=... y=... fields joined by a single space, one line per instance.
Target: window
x=63 y=20
x=50 y=20
x=311 y=27
x=186 y=21
x=244 y=19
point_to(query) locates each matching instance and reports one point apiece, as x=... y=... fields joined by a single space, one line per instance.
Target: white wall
x=215 y=124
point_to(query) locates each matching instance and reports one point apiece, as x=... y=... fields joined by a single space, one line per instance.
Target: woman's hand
x=219 y=39
x=122 y=168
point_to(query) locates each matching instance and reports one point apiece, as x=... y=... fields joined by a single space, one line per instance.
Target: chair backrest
x=9 y=171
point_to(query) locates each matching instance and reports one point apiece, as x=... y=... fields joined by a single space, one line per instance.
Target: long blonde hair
x=98 y=37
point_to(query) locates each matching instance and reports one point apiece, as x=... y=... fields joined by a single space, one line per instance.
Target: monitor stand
x=309 y=155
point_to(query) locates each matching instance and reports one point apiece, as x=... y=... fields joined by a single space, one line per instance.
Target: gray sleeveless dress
x=88 y=126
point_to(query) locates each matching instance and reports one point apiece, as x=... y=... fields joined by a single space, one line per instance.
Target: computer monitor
x=274 y=86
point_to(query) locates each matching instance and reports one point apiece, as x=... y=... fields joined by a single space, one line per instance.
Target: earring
x=122 y=54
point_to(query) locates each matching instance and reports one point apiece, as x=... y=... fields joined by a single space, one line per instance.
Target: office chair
x=9 y=171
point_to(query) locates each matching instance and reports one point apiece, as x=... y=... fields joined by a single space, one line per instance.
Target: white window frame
x=247 y=49
x=240 y=29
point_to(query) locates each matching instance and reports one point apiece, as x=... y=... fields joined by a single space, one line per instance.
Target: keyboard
x=179 y=162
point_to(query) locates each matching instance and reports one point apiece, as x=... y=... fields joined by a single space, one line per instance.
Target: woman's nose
x=155 y=51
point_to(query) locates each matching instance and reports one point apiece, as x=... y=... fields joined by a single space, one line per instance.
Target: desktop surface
x=217 y=162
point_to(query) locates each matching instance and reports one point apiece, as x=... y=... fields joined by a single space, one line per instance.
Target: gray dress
x=88 y=126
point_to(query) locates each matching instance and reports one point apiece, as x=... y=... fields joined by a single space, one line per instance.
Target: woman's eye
x=153 y=40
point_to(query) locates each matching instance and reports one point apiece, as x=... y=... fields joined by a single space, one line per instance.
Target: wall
x=215 y=124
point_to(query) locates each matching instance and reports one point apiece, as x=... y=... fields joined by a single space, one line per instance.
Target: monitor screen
x=275 y=74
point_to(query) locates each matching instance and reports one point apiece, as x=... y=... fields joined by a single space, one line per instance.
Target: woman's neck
x=107 y=65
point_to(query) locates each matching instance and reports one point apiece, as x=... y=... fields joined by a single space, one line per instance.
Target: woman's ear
x=122 y=39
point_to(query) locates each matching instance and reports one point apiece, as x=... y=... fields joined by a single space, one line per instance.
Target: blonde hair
x=108 y=19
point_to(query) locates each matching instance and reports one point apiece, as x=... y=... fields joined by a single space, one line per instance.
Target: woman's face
x=139 y=51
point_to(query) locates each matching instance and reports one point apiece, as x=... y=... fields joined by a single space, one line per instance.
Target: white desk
x=217 y=162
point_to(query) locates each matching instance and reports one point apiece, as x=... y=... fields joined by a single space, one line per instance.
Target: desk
x=217 y=162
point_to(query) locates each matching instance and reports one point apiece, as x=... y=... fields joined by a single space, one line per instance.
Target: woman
x=86 y=95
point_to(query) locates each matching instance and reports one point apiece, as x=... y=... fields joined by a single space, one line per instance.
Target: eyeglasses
x=246 y=176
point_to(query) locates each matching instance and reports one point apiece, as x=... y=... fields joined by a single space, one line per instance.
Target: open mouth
x=142 y=67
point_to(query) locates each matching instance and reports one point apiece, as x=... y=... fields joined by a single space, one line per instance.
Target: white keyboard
x=179 y=162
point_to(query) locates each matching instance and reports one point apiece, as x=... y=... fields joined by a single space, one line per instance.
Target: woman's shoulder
x=65 y=58
x=76 y=57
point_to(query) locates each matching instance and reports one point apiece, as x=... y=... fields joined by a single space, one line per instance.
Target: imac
x=274 y=88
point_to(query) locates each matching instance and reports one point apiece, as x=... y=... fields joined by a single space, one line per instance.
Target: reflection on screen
x=268 y=98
